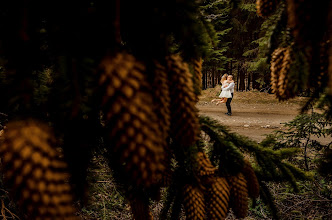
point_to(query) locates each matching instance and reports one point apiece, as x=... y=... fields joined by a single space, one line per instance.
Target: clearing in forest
x=255 y=114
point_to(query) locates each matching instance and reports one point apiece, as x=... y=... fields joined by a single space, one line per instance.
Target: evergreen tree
x=113 y=77
x=218 y=14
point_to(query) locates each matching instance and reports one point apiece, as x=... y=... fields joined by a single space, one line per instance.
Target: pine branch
x=271 y=164
x=224 y=153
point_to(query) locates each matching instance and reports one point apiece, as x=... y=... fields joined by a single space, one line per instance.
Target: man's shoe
x=229 y=114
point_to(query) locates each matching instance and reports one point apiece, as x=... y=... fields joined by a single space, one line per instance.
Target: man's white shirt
x=230 y=87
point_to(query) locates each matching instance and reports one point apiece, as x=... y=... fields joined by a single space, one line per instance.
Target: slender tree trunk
x=207 y=78
x=213 y=76
x=237 y=77
x=242 y=78
x=248 y=82
x=203 y=79
x=255 y=84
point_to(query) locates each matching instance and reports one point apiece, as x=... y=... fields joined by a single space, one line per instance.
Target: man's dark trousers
x=228 y=105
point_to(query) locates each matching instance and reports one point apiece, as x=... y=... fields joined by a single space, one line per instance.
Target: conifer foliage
x=126 y=79
x=300 y=40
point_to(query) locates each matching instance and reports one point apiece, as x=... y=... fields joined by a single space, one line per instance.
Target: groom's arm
x=230 y=86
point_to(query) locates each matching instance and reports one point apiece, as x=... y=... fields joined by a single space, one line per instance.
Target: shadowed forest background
x=105 y=109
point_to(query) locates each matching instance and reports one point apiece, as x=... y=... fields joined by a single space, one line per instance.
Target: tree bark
x=255 y=84
x=237 y=77
x=248 y=80
x=213 y=75
x=242 y=78
x=203 y=79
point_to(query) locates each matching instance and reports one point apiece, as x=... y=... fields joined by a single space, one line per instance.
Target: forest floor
x=255 y=114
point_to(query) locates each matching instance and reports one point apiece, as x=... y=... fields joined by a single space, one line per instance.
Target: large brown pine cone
x=204 y=165
x=284 y=83
x=218 y=199
x=130 y=116
x=194 y=204
x=238 y=195
x=34 y=171
x=162 y=100
x=276 y=65
x=185 y=128
x=252 y=181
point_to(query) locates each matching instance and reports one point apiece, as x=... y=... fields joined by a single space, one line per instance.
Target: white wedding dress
x=225 y=93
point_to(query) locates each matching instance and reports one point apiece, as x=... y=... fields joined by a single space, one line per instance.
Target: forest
x=100 y=114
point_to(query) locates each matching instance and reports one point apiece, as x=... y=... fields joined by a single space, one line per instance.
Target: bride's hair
x=224 y=77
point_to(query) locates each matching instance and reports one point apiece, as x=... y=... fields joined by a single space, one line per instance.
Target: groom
x=230 y=87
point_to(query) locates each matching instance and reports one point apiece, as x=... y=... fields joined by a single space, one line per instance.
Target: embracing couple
x=227 y=90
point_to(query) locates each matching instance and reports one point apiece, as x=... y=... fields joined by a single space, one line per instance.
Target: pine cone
x=204 y=165
x=276 y=65
x=185 y=128
x=284 y=85
x=251 y=178
x=238 y=195
x=33 y=170
x=162 y=99
x=193 y=202
x=162 y=107
x=266 y=7
x=131 y=119
x=197 y=79
x=218 y=199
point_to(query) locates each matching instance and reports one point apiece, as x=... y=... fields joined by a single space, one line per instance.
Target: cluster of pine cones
x=144 y=105
x=308 y=24
x=212 y=196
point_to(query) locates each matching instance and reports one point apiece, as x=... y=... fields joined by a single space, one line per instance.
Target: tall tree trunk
x=255 y=85
x=213 y=75
x=204 y=79
x=242 y=78
x=237 y=77
x=248 y=80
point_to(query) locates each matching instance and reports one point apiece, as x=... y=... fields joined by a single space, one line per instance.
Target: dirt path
x=254 y=120
x=255 y=114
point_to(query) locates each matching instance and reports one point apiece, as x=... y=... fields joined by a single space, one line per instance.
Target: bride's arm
x=230 y=86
